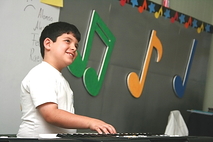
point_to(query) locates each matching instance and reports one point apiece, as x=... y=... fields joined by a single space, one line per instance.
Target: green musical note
x=92 y=80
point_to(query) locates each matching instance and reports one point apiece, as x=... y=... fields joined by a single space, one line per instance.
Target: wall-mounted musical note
x=200 y=29
x=173 y=19
x=143 y=6
x=189 y=23
x=179 y=86
x=136 y=84
x=123 y=2
x=159 y=13
x=93 y=80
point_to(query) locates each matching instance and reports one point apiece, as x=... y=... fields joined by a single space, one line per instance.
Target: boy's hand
x=101 y=127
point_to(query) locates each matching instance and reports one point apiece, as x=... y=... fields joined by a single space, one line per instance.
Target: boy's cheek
x=76 y=54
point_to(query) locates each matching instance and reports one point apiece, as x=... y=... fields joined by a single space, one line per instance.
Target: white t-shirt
x=41 y=85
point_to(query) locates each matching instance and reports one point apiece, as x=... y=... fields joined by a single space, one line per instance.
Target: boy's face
x=62 y=52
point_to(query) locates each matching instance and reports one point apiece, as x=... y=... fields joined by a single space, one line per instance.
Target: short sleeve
x=43 y=89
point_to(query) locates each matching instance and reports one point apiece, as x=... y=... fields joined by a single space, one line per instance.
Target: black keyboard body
x=122 y=137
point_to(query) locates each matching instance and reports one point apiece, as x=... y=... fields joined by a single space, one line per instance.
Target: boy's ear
x=47 y=43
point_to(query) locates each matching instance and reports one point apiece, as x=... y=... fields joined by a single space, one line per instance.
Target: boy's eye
x=67 y=41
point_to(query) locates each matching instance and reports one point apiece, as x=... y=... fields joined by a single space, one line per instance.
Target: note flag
x=174 y=18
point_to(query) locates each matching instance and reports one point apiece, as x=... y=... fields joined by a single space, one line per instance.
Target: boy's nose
x=73 y=47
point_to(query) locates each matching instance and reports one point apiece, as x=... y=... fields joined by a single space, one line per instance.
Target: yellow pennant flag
x=58 y=3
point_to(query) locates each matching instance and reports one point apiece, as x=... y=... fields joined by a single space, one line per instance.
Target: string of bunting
x=160 y=10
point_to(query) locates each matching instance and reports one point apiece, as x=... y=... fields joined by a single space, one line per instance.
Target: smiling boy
x=46 y=97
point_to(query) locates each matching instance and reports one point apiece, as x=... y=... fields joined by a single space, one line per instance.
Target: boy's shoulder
x=41 y=71
x=38 y=67
x=41 y=68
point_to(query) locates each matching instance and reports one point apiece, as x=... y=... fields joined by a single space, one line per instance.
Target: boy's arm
x=61 y=118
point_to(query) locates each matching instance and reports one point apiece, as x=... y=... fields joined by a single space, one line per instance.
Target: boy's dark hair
x=55 y=30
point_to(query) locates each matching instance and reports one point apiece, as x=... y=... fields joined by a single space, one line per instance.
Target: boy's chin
x=69 y=63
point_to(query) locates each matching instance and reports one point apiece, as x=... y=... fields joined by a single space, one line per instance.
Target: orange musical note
x=200 y=29
x=189 y=23
x=159 y=13
x=134 y=84
x=143 y=7
x=174 y=18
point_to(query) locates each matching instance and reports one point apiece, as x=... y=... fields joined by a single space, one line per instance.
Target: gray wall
x=201 y=10
x=114 y=104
